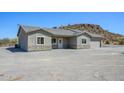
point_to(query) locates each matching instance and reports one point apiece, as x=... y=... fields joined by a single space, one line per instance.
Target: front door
x=60 y=42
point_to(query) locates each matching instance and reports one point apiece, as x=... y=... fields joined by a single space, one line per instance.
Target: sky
x=111 y=21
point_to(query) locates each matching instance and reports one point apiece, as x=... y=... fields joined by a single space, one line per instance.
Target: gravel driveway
x=62 y=64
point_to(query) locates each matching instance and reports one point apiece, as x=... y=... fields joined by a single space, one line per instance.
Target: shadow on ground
x=13 y=49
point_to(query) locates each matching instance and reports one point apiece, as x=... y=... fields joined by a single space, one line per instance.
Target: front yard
x=62 y=64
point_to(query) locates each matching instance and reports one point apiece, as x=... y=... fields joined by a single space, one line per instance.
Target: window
x=84 y=41
x=54 y=40
x=40 y=40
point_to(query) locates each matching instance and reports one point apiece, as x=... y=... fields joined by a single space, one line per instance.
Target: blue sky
x=114 y=22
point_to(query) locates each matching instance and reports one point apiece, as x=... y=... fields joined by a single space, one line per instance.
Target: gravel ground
x=103 y=64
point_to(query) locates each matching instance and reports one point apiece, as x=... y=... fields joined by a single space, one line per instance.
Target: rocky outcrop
x=110 y=38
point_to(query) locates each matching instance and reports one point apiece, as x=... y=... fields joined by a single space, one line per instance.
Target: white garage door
x=95 y=44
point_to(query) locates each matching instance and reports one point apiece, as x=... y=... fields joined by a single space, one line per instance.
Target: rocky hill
x=110 y=38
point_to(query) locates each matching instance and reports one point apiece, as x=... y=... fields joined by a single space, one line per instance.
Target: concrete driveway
x=62 y=64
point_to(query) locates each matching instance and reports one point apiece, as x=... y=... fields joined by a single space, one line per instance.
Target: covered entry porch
x=63 y=42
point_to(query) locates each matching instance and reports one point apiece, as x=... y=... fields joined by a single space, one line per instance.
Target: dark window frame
x=84 y=41
x=40 y=40
x=54 y=40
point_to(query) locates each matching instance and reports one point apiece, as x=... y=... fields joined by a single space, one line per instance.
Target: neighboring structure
x=35 y=38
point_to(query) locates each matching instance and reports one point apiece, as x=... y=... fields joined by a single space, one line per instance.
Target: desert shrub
x=7 y=42
x=13 y=41
x=121 y=42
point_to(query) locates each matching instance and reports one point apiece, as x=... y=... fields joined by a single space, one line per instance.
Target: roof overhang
x=76 y=33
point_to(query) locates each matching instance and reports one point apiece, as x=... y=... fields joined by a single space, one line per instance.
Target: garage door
x=95 y=44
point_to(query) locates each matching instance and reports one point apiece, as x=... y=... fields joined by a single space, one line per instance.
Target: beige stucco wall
x=33 y=46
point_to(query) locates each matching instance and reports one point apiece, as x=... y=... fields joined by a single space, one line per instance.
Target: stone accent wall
x=39 y=48
x=22 y=39
x=83 y=46
x=72 y=42
x=79 y=42
x=73 y=46
x=55 y=46
x=65 y=43
x=32 y=44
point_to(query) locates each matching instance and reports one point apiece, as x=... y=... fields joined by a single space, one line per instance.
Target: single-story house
x=31 y=38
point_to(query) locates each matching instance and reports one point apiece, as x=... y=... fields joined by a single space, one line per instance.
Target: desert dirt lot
x=62 y=64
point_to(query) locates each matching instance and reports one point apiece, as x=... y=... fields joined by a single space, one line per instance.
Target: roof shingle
x=58 y=32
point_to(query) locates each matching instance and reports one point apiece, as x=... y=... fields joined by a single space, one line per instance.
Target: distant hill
x=110 y=38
